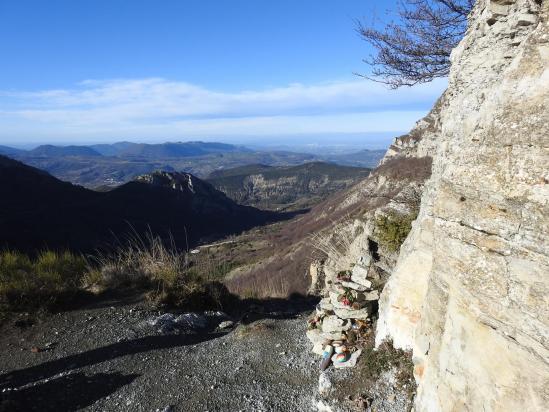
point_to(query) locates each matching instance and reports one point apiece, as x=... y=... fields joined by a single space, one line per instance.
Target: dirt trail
x=110 y=358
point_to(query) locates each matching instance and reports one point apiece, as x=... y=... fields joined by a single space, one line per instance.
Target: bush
x=60 y=270
x=170 y=276
x=393 y=228
x=43 y=281
x=167 y=275
x=141 y=263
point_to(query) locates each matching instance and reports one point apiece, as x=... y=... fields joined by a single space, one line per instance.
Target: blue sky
x=106 y=70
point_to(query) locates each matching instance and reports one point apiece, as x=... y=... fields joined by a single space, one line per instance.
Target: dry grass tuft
x=139 y=262
x=42 y=281
x=148 y=264
x=171 y=277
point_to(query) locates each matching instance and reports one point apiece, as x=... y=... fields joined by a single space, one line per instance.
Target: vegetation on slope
x=41 y=281
x=392 y=229
x=165 y=275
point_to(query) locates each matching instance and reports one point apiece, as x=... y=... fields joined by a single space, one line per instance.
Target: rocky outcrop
x=348 y=308
x=469 y=290
x=182 y=182
x=278 y=187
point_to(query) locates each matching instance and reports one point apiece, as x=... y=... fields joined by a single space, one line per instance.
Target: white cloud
x=158 y=108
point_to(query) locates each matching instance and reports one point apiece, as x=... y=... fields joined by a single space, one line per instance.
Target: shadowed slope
x=37 y=210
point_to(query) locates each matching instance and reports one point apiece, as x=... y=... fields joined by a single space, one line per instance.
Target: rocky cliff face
x=469 y=290
x=279 y=187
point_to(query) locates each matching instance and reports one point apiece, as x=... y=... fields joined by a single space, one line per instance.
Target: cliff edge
x=469 y=290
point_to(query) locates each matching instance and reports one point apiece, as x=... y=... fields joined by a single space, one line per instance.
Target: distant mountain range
x=61 y=151
x=118 y=163
x=165 y=150
x=10 y=151
x=282 y=187
x=37 y=210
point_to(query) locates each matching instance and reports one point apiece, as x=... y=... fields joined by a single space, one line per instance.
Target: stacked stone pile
x=348 y=307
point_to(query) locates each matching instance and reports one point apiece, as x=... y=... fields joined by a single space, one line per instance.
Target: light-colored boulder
x=318 y=348
x=332 y=335
x=353 y=314
x=499 y=9
x=360 y=276
x=365 y=260
x=369 y=296
x=526 y=19
x=354 y=286
x=315 y=336
x=325 y=305
x=325 y=386
x=332 y=324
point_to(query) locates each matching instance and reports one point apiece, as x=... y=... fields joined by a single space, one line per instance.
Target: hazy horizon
x=345 y=143
x=184 y=71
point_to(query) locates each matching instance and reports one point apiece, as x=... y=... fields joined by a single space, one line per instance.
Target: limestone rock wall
x=470 y=289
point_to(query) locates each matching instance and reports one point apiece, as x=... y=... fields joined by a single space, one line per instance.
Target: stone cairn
x=347 y=309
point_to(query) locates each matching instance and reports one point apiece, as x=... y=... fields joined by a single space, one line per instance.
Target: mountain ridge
x=118 y=163
x=38 y=211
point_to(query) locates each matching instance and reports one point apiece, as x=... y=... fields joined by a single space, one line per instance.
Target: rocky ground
x=110 y=358
x=121 y=355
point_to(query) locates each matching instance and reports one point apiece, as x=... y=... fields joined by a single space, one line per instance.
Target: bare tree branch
x=417 y=48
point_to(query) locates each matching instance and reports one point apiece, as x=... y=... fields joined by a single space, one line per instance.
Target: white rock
x=354 y=286
x=332 y=335
x=324 y=384
x=360 y=275
x=318 y=348
x=499 y=9
x=332 y=324
x=322 y=407
x=325 y=305
x=526 y=19
x=371 y=296
x=226 y=324
x=352 y=314
x=351 y=362
x=365 y=260
x=315 y=336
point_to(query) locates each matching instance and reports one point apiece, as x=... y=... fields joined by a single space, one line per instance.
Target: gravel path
x=110 y=359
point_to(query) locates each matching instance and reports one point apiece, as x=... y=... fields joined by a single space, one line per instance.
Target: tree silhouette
x=416 y=48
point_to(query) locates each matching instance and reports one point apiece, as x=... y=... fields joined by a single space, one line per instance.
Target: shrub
x=170 y=276
x=148 y=264
x=196 y=295
x=60 y=270
x=393 y=228
x=139 y=262
x=43 y=281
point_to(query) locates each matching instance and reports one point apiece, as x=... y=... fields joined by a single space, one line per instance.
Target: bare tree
x=417 y=48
